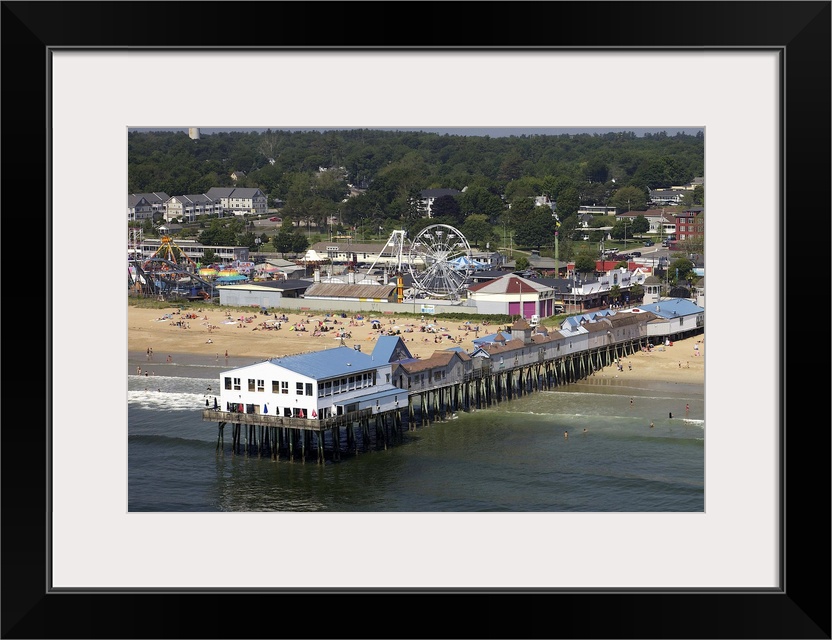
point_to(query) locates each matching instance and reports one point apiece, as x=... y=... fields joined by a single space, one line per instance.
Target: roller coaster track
x=154 y=269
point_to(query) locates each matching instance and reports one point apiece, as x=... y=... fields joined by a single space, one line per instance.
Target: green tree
x=447 y=208
x=622 y=230
x=477 y=229
x=680 y=270
x=282 y=240
x=481 y=201
x=629 y=198
x=299 y=241
x=695 y=198
x=536 y=228
x=640 y=224
x=568 y=203
x=585 y=262
x=523 y=188
x=615 y=293
x=521 y=263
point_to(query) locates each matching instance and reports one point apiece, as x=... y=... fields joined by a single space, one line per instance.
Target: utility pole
x=625 y=226
x=557 y=225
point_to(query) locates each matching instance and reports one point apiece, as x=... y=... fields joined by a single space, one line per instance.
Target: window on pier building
x=251 y=384
x=284 y=386
x=299 y=388
x=227 y=382
x=237 y=382
x=309 y=388
x=261 y=385
x=275 y=386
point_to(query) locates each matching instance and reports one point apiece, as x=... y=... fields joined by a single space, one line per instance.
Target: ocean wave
x=168 y=401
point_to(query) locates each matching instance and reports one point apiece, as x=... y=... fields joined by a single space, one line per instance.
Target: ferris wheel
x=439 y=261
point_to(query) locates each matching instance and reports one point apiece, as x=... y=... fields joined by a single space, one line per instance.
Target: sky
x=494 y=132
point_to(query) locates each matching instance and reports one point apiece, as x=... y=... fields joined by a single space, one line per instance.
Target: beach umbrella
x=225 y=273
x=237 y=277
x=208 y=272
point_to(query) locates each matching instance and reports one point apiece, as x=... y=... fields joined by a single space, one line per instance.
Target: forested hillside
x=500 y=175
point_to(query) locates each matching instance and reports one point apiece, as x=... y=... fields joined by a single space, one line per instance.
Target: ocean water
x=512 y=457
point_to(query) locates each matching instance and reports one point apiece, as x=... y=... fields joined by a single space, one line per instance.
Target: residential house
x=156 y=200
x=138 y=208
x=239 y=200
x=188 y=207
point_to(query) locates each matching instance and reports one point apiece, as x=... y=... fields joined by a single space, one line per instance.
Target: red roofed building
x=514 y=296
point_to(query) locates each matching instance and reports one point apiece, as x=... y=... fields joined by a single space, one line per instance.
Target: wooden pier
x=331 y=438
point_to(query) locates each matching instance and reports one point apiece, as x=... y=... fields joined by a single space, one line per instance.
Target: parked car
x=275 y=219
x=648 y=243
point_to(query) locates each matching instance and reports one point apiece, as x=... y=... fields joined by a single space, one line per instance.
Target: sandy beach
x=245 y=334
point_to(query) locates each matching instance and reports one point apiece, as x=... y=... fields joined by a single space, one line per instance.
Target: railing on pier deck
x=268 y=420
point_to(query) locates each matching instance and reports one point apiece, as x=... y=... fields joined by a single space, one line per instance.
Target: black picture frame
x=800 y=608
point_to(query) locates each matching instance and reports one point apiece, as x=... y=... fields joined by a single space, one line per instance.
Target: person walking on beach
x=651 y=424
x=565 y=435
x=687 y=409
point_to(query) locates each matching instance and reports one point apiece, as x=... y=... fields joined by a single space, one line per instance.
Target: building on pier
x=442 y=368
x=286 y=402
x=311 y=386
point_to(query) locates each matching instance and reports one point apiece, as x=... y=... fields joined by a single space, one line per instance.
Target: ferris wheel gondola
x=438 y=260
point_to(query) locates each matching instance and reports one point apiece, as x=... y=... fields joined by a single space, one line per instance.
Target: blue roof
x=328 y=363
x=673 y=307
x=385 y=347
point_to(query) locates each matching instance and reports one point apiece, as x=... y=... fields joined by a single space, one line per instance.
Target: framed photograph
x=754 y=75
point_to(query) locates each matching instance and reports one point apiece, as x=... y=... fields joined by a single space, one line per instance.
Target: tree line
x=368 y=178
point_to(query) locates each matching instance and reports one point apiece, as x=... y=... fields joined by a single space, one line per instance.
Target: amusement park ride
x=169 y=271
x=438 y=259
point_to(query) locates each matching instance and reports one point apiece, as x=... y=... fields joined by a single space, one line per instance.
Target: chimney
x=386 y=277
x=351 y=277
x=317 y=275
